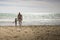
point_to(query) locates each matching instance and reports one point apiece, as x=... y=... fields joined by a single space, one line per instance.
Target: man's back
x=19 y=16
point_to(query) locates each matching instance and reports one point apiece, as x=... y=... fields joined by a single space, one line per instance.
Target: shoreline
x=31 y=25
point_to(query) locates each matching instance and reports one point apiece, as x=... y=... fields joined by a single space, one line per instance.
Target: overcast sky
x=30 y=6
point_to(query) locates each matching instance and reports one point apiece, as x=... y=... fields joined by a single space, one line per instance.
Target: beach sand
x=33 y=32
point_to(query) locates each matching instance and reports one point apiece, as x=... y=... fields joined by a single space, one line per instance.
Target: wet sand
x=33 y=32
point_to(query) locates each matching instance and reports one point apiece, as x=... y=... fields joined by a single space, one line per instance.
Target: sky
x=30 y=6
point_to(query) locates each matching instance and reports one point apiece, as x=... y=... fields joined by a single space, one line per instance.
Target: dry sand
x=44 y=32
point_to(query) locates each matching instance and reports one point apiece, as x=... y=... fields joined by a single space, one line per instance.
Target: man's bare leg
x=20 y=23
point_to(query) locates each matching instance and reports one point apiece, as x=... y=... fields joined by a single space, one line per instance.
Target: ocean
x=7 y=19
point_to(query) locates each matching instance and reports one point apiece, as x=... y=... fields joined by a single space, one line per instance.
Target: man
x=20 y=19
